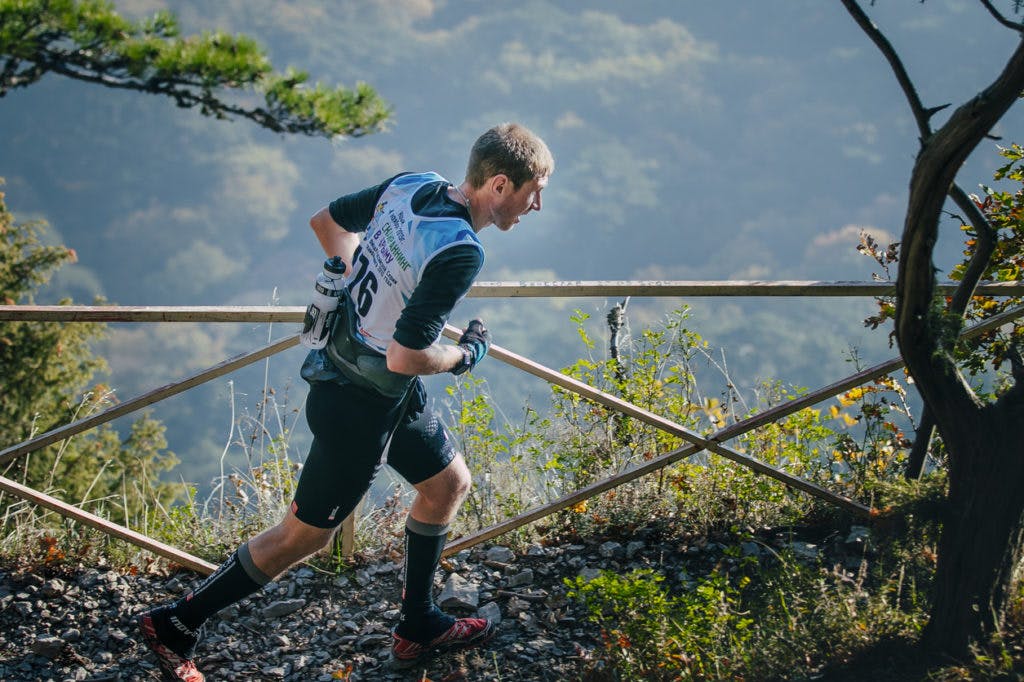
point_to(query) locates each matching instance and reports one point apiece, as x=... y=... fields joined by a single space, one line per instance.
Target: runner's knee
x=301 y=539
x=448 y=488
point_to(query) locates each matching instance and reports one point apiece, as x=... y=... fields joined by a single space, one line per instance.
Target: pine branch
x=95 y=45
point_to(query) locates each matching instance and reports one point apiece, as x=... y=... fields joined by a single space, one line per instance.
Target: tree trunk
x=981 y=540
x=983 y=531
x=980 y=544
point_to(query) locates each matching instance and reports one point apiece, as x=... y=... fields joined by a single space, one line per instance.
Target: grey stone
x=634 y=548
x=491 y=611
x=588 y=573
x=804 y=550
x=541 y=643
x=522 y=578
x=501 y=554
x=53 y=588
x=859 y=537
x=47 y=647
x=751 y=549
x=228 y=613
x=173 y=585
x=517 y=606
x=371 y=640
x=611 y=550
x=89 y=578
x=276 y=672
x=71 y=635
x=459 y=592
x=283 y=608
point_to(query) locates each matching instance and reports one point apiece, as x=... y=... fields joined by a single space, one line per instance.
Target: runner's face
x=518 y=203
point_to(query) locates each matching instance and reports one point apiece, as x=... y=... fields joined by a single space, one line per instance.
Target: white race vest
x=396 y=248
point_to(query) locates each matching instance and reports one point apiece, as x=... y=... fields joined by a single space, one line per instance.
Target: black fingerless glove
x=473 y=343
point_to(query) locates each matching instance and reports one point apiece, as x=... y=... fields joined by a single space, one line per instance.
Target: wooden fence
x=697 y=443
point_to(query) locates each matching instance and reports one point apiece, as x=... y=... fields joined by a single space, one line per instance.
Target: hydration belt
x=363 y=366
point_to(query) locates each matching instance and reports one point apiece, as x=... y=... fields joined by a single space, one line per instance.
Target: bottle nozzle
x=335 y=264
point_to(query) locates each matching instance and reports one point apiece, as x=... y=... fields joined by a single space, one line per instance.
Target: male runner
x=412 y=252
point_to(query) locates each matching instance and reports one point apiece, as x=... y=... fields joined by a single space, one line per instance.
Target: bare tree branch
x=1017 y=365
x=921 y=115
x=1017 y=26
x=985 y=247
x=921 y=335
x=920 y=330
x=983 y=250
x=980 y=546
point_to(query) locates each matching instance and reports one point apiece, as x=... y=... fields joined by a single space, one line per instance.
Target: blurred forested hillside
x=727 y=140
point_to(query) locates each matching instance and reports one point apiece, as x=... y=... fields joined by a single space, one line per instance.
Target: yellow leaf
x=851 y=396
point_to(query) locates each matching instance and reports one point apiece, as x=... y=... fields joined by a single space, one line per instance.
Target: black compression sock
x=174 y=634
x=421 y=619
x=237 y=578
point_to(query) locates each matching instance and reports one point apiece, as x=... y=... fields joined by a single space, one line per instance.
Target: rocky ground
x=63 y=624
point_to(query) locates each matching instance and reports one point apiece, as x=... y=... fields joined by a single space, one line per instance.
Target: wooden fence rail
x=667 y=425
x=692 y=289
x=733 y=430
x=148 y=398
x=127 y=534
x=293 y=314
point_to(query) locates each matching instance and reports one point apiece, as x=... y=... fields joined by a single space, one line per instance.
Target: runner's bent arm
x=334 y=238
x=337 y=225
x=435 y=359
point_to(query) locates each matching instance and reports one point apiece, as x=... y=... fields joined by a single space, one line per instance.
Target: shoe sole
x=447 y=647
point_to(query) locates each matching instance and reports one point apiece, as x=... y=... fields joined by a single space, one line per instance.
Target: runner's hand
x=474 y=342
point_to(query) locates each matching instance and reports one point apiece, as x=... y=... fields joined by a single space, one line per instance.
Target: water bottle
x=317 y=323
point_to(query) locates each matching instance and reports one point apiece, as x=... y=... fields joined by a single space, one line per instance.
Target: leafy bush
x=49 y=373
x=774 y=618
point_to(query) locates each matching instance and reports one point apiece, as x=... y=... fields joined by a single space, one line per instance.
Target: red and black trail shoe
x=465 y=633
x=172 y=644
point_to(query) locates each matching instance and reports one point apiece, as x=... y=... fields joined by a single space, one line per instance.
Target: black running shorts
x=350 y=427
